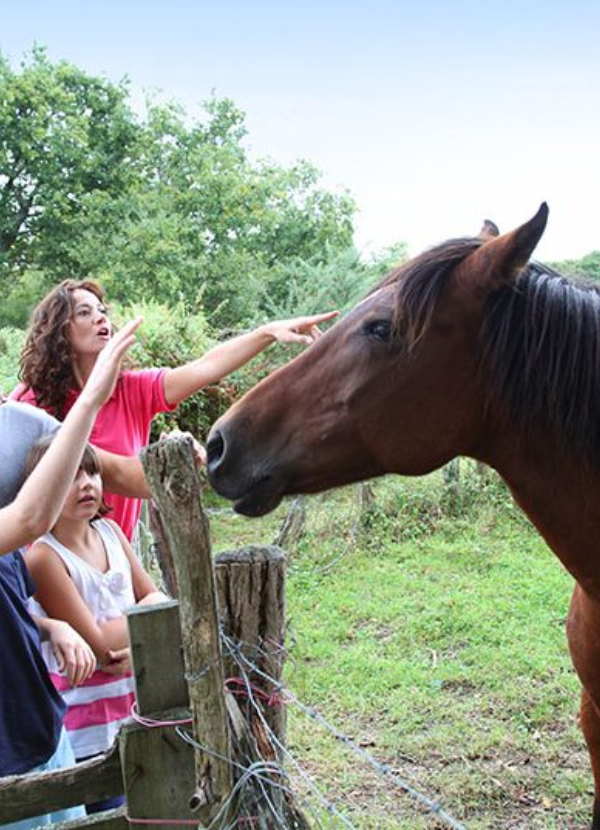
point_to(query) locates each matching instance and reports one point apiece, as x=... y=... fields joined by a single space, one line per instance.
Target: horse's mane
x=541 y=352
x=540 y=341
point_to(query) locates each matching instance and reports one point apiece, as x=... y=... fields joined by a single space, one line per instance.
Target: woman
x=32 y=736
x=71 y=327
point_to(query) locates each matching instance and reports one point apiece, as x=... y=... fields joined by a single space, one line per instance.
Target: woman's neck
x=82 y=368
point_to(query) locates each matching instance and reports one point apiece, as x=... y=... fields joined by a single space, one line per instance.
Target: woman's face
x=89 y=328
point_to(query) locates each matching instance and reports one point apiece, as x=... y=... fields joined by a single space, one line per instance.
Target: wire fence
x=280 y=782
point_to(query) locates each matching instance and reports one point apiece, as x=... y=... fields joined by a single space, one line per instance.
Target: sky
x=433 y=114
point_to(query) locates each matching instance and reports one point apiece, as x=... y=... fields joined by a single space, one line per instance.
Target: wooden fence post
x=251 y=601
x=171 y=472
x=158 y=765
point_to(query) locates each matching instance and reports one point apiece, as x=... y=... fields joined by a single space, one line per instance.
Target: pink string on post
x=150 y=723
x=249 y=689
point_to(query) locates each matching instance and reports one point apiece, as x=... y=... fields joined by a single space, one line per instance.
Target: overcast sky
x=434 y=115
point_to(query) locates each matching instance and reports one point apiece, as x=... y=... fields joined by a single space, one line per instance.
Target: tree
x=163 y=208
x=208 y=224
x=64 y=136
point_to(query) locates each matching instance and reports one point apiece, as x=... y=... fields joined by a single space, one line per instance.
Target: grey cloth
x=20 y=427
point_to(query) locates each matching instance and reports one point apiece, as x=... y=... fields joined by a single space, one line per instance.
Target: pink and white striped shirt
x=98 y=707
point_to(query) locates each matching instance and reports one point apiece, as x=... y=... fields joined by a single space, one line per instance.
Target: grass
x=429 y=629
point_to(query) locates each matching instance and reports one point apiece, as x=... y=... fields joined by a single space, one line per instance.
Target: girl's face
x=84 y=497
x=89 y=328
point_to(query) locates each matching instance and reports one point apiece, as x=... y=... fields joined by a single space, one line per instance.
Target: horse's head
x=395 y=386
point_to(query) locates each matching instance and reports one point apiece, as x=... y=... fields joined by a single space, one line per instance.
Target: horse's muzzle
x=252 y=487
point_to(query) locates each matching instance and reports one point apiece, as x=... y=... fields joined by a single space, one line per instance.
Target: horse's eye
x=380 y=330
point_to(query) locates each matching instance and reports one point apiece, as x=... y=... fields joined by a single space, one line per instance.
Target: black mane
x=540 y=340
x=541 y=356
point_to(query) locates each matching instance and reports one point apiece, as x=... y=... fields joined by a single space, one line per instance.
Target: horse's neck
x=562 y=501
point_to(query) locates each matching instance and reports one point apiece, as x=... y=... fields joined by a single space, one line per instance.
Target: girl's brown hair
x=46 y=360
x=90 y=464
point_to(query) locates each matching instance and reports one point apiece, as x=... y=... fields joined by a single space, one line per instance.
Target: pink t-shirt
x=122 y=426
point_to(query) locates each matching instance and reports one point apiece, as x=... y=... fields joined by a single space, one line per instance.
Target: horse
x=469 y=349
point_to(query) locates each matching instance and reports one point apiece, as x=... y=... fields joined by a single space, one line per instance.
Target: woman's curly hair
x=46 y=360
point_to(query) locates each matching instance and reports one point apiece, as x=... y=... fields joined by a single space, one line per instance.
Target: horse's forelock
x=419 y=283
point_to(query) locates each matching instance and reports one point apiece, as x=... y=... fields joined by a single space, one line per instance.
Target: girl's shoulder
x=110 y=531
x=104 y=522
x=44 y=556
x=106 y=526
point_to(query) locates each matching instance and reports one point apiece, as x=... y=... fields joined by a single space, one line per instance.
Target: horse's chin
x=258 y=501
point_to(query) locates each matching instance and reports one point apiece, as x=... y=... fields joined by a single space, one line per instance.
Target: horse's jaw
x=260 y=499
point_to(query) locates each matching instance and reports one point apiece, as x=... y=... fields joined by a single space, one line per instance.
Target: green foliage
x=588 y=267
x=63 y=136
x=316 y=285
x=11 y=344
x=171 y=337
x=337 y=279
x=20 y=296
x=167 y=207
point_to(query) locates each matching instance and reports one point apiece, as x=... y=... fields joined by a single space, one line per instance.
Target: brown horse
x=468 y=349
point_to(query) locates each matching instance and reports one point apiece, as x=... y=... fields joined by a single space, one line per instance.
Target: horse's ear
x=501 y=258
x=489 y=230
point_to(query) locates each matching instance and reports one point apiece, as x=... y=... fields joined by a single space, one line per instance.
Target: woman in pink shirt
x=70 y=327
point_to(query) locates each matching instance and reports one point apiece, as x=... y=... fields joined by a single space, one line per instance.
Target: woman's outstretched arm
x=225 y=358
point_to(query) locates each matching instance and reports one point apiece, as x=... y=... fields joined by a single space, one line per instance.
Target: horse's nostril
x=215 y=449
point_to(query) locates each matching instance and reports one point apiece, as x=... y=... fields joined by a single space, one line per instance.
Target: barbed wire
x=235 y=649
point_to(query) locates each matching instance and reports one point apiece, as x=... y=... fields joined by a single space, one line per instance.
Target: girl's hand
x=74 y=656
x=104 y=375
x=118 y=663
x=299 y=329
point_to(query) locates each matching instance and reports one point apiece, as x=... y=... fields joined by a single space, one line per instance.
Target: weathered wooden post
x=162 y=552
x=171 y=472
x=251 y=602
x=251 y=615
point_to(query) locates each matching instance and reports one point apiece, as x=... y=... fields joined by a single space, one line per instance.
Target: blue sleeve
x=21 y=425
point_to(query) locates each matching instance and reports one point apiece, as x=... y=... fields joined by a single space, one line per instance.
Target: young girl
x=69 y=329
x=87 y=575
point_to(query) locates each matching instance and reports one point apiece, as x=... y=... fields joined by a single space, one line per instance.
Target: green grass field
x=429 y=629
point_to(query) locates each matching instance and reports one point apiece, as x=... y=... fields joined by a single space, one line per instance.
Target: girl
x=71 y=327
x=87 y=574
x=31 y=712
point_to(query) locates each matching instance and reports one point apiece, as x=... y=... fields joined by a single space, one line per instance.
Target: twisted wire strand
x=233 y=649
x=258 y=770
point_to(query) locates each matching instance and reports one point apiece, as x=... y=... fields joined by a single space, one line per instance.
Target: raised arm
x=38 y=503
x=225 y=358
